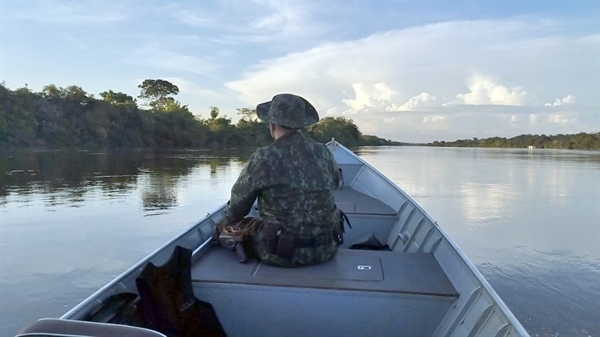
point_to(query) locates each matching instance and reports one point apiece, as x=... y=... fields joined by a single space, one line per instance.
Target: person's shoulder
x=309 y=140
x=263 y=153
x=319 y=147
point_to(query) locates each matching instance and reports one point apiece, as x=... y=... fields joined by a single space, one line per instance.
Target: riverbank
x=579 y=141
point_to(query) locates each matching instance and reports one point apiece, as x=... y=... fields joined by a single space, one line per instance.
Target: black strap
x=344 y=218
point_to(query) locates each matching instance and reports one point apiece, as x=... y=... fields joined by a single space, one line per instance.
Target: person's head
x=287 y=113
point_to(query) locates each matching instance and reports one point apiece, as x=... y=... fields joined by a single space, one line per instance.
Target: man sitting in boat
x=294 y=180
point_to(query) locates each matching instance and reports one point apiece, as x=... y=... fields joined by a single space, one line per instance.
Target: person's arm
x=337 y=172
x=244 y=192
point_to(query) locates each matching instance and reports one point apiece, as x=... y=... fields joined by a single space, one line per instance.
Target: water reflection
x=529 y=222
x=485 y=204
x=72 y=177
x=218 y=163
x=537 y=155
x=29 y=172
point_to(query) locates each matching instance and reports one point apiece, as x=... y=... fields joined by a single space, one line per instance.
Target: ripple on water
x=547 y=290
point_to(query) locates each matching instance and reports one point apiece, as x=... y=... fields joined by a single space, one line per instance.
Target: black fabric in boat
x=369 y=242
x=167 y=302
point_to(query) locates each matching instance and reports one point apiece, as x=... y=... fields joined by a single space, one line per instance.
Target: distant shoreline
x=70 y=118
x=578 y=141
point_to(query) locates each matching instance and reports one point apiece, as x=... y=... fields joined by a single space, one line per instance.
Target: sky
x=412 y=71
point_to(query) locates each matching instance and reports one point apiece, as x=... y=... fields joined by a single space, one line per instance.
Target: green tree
x=117 y=97
x=222 y=132
x=52 y=91
x=17 y=116
x=251 y=130
x=576 y=141
x=76 y=95
x=248 y=114
x=342 y=129
x=157 y=93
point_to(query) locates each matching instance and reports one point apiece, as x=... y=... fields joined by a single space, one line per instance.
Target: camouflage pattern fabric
x=256 y=245
x=288 y=110
x=294 y=180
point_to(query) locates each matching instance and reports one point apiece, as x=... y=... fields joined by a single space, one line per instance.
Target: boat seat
x=354 y=270
x=381 y=292
x=64 y=327
x=352 y=201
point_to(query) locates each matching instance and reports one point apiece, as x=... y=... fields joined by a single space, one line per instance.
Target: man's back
x=294 y=180
x=297 y=179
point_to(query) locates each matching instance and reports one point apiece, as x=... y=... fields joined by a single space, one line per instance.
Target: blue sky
x=404 y=70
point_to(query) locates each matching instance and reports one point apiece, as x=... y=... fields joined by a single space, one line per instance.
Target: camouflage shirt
x=294 y=180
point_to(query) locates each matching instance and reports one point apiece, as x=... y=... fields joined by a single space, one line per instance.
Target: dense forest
x=69 y=117
x=583 y=141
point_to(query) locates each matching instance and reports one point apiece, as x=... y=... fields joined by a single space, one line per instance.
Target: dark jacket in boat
x=294 y=180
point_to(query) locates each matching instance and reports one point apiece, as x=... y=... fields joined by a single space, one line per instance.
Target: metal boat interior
x=423 y=285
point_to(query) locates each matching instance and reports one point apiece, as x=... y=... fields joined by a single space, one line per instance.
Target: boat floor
x=350 y=270
x=354 y=202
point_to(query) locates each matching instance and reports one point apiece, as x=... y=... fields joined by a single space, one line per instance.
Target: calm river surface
x=72 y=221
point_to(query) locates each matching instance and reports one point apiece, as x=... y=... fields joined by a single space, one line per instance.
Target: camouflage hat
x=288 y=110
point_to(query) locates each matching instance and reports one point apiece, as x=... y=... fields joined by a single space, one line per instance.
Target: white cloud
x=332 y=111
x=412 y=126
x=369 y=96
x=483 y=90
x=422 y=100
x=570 y=99
x=558 y=118
x=424 y=71
x=380 y=97
x=393 y=58
x=286 y=20
x=533 y=118
x=433 y=119
x=252 y=21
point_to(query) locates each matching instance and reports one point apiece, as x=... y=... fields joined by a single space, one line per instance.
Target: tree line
x=70 y=117
x=582 y=140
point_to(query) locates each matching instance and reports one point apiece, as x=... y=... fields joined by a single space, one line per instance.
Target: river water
x=530 y=222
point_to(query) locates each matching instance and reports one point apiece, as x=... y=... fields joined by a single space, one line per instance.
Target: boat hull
x=423 y=285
